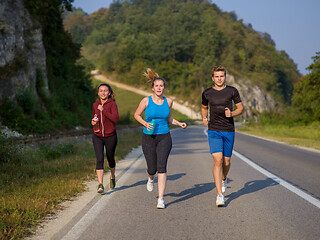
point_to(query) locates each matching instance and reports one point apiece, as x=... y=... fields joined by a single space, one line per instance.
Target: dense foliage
x=70 y=100
x=182 y=40
x=304 y=109
x=306 y=97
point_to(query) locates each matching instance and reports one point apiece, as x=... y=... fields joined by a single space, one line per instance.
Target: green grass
x=306 y=136
x=34 y=182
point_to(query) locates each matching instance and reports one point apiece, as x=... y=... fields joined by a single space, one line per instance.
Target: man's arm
x=236 y=112
x=239 y=109
x=204 y=114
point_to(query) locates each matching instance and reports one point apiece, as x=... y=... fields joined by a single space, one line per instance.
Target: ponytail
x=153 y=76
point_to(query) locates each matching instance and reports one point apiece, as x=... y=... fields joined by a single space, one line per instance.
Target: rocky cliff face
x=22 y=53
x=254 y=99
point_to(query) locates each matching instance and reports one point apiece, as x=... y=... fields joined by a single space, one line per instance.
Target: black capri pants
x=110 y=143
x=156 y=149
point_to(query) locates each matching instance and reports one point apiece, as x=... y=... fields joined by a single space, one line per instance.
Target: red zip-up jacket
x=107 y=118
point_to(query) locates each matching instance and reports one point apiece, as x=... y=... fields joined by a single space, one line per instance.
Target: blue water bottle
x=150 y=132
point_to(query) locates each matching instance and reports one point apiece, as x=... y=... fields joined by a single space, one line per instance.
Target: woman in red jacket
x=105 y=116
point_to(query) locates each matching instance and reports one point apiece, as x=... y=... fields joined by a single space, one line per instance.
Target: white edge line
x=81 y=226
x=285 y=184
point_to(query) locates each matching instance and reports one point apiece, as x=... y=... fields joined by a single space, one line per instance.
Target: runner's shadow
x=250 y=187
x=173 y=177
x=196 y=190
x=144 y=182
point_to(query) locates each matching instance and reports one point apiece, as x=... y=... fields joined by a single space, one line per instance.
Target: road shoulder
x=284 y=143
x=72 y=210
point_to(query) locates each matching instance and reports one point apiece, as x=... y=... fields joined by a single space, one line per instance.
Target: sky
x=294 y=25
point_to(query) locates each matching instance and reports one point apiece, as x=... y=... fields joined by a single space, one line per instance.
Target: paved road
x=256 y=206
x=298 y=166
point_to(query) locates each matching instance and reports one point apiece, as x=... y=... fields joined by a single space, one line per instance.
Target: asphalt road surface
x=257 y=206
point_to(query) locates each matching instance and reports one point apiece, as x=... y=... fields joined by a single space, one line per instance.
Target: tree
x=306 y=96
x=188 y=33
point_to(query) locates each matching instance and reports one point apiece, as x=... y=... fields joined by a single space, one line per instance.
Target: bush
x=126 y=118
x=27 y=101
x=54 y=152
x=9 y=152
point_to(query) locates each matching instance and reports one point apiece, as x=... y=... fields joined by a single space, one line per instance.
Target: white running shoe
x=224 y=185
x=160 y=204
x=100 y=188
x=220 y=200
x=150 y=184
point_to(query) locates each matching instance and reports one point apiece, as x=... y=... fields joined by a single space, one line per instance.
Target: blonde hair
x=219 y=69
x=153 y=76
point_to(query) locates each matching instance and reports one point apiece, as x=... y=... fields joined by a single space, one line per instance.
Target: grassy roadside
x=33 y=183
x=301 y=135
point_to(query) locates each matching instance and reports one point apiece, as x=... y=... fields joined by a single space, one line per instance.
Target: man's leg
x=228 y=141
x=217 y=170
x=225 y=167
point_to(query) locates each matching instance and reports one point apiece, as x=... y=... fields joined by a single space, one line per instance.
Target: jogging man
x=220 y=99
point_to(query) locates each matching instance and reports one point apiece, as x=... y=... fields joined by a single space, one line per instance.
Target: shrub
x=9 y=152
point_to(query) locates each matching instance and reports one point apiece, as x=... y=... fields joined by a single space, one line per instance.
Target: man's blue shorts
x=221 y=142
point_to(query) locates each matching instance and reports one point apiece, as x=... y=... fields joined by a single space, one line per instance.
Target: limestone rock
x=22 y=52
x=254 y=99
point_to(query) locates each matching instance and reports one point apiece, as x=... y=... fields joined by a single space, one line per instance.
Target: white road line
x=285 y=184
x=78 y=229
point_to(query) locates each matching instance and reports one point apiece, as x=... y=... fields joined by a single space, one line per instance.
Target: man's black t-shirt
x=218 y=100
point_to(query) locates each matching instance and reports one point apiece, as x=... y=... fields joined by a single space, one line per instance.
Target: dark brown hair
x=112 y=95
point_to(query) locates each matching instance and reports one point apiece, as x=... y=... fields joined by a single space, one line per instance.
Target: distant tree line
x=304 y=109
x=182 y=40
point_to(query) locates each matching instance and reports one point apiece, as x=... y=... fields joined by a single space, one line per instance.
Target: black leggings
x=110 y=144
x=156 y=149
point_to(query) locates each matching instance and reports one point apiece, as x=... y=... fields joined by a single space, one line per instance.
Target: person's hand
x=205 y=121
x=100 y=107
x=149 y=126
x=93 y=122
x=183 y=125
x=227 y=112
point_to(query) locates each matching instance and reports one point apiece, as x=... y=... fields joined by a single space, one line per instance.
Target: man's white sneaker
x=150 y=184
x=224 y=185
x=160 y=204
x=220 y=200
